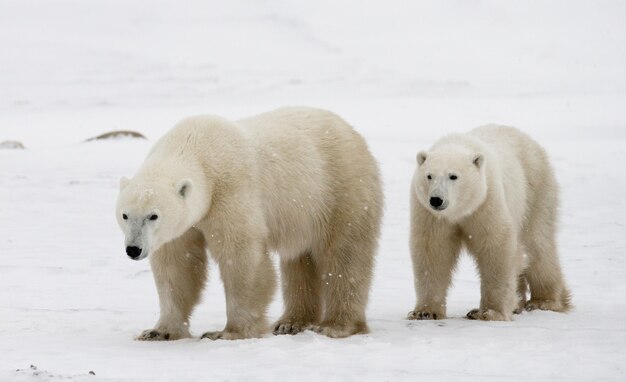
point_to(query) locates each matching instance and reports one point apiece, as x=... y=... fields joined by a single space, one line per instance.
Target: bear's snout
x=437 y=203
x=133 y=252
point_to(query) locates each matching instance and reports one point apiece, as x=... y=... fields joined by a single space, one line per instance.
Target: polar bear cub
x=492 y=191
x=297 y=181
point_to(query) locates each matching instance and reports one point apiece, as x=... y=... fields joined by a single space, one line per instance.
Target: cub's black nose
x=434 y=201
x=133 y=252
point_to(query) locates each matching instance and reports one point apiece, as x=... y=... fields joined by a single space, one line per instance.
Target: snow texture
x=403 y=73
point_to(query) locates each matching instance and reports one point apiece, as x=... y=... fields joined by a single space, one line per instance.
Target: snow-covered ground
x=403 y=73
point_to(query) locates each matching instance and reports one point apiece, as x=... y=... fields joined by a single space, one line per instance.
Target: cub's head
x=151 y=213
x=450 y=181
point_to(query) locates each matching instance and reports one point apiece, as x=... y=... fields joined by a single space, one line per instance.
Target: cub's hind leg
x=548 y=290
x=547 y=286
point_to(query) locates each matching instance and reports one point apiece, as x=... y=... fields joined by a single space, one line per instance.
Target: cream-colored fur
x=502 y=207
x=298 y=181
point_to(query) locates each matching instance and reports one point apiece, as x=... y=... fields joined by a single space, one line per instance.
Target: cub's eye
x=429 y=177
x=454 y=177
x=124 y=216
x=154 y=217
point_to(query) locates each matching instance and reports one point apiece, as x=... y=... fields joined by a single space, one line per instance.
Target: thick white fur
x=298 y=181
x=502 y=207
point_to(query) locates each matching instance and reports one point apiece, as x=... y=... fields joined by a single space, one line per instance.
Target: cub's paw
x=487 y=315
x=224 y=335
x=290 y=327
x=425 y=315
x=154 y=335
x=337 y=330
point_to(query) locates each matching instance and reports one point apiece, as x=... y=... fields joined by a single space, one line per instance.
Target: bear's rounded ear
x=123 y=182
x=478 y=160
x=184 y=187
x=421 y=157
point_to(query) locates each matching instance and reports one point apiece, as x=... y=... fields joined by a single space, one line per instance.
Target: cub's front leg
x=179 y=269
x=435 y=247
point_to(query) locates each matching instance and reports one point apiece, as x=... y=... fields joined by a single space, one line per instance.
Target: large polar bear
x=298 y=181
x=493 y=191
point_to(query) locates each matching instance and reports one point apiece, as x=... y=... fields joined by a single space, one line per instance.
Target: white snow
x=403 y=73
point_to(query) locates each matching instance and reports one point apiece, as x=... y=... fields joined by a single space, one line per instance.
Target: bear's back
x=316 y=161
x=523 y=165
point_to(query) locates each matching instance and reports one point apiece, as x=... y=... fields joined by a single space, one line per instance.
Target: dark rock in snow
x=117 y=134
x=12 y=145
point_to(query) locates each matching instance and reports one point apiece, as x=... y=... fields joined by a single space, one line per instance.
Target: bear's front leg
x=499 y=273
x=435 y=248
x=249 y=284
x=179 y=269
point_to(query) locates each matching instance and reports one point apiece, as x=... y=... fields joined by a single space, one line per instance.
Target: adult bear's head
x=152 y=211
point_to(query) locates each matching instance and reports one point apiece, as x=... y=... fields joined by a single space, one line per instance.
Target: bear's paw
x=224 y=335
x=487 y=315
x=555 y=306
x=154 y=335
x=425 y=315
x=340 y=330
x=290 y=327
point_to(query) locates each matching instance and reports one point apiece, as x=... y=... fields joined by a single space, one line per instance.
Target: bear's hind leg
x=547 y=287
x=301 y=294
x=548 y=290
x=179 y=269
x=345 y=272
x=522 y=294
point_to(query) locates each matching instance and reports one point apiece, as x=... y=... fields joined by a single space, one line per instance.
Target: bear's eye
x=124 y=216
x=429 y=177
x=453 y=177
x=154 y=217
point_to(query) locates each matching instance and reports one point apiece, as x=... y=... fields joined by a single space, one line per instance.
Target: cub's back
x=517 y=150
x=510 y=142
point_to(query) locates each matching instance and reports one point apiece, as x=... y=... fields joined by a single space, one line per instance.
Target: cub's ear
x=421 y=157
x=123 y=182
x=184 y=187
x=478 y=160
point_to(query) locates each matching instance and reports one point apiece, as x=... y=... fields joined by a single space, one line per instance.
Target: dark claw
x=212 y=335
x=471 y=314
x=434 y=316
x=156 y=334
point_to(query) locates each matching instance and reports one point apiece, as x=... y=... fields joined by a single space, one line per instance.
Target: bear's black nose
x=434 y=201
x=133 y=252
